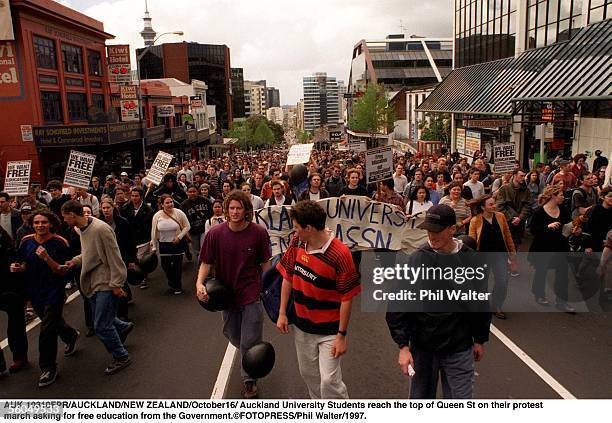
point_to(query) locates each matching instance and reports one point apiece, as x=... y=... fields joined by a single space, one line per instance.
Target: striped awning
x=581 y=71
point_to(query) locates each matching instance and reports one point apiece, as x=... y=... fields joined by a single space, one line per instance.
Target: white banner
x=379 y=164
x=358 y=146
x=460 y=140
x=299 y=154
x=17 y=179
x=472 y=142
x=504 y=156
x=159 y=167
x=79 y=169
x=6 y=23
x=358 y=222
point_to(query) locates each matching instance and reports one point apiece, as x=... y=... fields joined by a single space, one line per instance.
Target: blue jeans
x=456 y=371
x=106 y=325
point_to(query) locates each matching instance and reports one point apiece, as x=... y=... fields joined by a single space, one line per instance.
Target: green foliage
x=263 y=136
x=255 y=132
x=372 y=112
x=436 y=127
x=304 y=136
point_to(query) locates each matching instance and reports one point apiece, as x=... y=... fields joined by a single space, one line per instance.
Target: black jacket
x=16 y=223
x=8 y=281
x=447 y=332
x=140 y=222
x=198 y=211
x=125 y=239
x=322 y=193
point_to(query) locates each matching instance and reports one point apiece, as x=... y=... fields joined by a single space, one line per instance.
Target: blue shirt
x=43 y=286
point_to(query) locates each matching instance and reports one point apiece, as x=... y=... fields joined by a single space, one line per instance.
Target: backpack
x=272 y=282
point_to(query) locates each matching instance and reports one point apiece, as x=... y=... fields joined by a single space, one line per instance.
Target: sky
x=280 y=41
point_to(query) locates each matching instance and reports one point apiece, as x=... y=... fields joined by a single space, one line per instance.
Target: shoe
x=178 y=291
x=117 y=365
x=249 y=390
x=90 y=332
x=565 y=307
x=144 y=284
x=29 y=315
x=71 y=347
x=514 y=274
x=542 y=301
x=47 y=378
x=125 y=332
x=500 y=315
x=68 y=286
x=18 y=364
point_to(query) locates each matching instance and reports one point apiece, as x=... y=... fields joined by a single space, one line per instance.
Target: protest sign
x=358 y=222
x=299 y=154
x=159 y=167
x=379 y=164
x=472 y=142
x=504 y=157
x=17 y=179
x=79 y=169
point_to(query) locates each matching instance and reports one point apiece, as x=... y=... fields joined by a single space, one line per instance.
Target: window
x=97 y=100
x=44 y=49
x=72 y=57
x=51 y=107
x=94 y=61
x=77 y=106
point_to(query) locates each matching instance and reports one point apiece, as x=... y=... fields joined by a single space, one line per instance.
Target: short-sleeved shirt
x=237 y=259
x=43 y=286
x=320 y=281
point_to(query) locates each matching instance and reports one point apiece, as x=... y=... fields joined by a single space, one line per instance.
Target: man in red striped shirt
x=319 y=274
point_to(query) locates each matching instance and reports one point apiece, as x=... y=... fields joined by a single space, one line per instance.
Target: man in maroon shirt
x=239 y=250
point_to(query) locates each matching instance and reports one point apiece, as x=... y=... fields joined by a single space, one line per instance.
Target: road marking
x=225 y=370
x=36 y=321
x=530 y=362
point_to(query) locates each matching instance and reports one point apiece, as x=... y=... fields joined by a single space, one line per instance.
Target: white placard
x=472 y=142
x=27 y=134
x=299 y=154
x=460 y=140
x=17 y=179
x=79 y=169
x=159 y=167
x=504 y=157
x=358 y=146
x=379 y=164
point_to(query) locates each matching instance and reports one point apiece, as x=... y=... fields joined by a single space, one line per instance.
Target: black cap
x=438 y=218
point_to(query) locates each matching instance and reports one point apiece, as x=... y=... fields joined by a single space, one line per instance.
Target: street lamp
x=140 y=106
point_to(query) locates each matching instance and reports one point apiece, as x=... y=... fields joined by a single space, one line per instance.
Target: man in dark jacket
x=334 y=183
x=172 y=188
x=10 y=220
x=57 y=197
x=198 y=210
x=140 y=216
x=448 y=341
x=513 y=200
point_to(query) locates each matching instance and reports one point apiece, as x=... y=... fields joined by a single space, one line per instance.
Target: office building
x=321 y=101
x=238 y=102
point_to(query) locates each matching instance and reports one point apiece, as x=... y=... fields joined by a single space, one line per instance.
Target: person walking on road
x=239 y=250
x=41 y=257
x=103 y=275
x=170 y=226
x=197 y=209
x=435 y=344
x=140 y=217
x=513 y=200
x=319 y=274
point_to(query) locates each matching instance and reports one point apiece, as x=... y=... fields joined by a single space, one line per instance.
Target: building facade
x=238 y=101
x=186 y=61
x=276 y=115
x=272 y=97
x=254 y=98
x=53 y=76
x=321 y=101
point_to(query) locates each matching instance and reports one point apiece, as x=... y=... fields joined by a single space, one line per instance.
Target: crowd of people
x=54 y=239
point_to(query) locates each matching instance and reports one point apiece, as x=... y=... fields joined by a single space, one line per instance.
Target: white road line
x=218 y=391
x=36 y=321
x=530 y=362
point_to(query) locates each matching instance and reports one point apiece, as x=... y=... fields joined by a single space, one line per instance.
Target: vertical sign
x=129 y=103
x=10 y=86
x=379 y=164
x=119 y=69
x=472 y=142
x=504 y=157
x=17 y=179
x=460 y=140
x=159 y=167
x=27 y=134
x=79 y=169
x=6 y=23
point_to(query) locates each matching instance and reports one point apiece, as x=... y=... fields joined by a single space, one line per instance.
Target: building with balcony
x=321 y=101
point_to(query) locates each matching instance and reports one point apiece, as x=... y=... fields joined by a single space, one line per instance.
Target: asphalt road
x=177 y=349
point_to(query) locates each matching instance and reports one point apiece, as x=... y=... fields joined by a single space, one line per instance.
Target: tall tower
x=148 y=34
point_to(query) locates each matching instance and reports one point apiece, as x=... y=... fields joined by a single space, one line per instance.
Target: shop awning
x=581 y=71
x=488 y=88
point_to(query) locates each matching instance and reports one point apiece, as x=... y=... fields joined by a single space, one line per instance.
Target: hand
x=516 y=221
x=478 y=352
x=176 y=240
x=405 y=359
x=132 y=266
x=201 y=292
x=119 y=292
x=16 y=268
x=70 y=264
x=588 y=250
x=42 y=253
x=339 y=347
x=554 y=225
x=282 y=324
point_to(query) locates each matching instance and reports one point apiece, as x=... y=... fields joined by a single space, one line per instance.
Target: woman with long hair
x=533 y=185
x=415 y=215
x=170 y=225
x=492 y=234
x=459 y=204
x=237 y=177
x=549 y=247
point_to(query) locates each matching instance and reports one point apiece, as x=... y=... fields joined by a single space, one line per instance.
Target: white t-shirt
x=477 y=188
x=167 y=229
x=5 y=222
x=400 y=183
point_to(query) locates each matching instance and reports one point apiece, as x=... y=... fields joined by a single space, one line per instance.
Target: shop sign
x=119 y=68
x=77 y=135
x=486 y=123
x=191 y=136
x=155 y=135
x=472 y=142
x=129 y=103
x=196 y=102
x=165 y=110
x=122 y=132
x=10 y=84
x=460 y=140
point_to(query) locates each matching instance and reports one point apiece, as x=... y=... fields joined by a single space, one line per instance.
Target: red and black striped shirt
x=320 y=282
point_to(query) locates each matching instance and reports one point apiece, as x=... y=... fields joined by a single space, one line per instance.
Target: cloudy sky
x=277 y=40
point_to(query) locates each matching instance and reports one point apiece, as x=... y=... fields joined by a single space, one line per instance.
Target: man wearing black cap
x=439 y=342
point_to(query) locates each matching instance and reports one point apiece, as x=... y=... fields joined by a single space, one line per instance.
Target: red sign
x=10 y=86
x=118 y=54
x=557 y=144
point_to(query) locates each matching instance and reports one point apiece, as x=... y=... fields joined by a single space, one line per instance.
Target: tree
x=263 y=136
x=304 y=136
x=372 y=112
x=238 y=130
x=436 y=127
